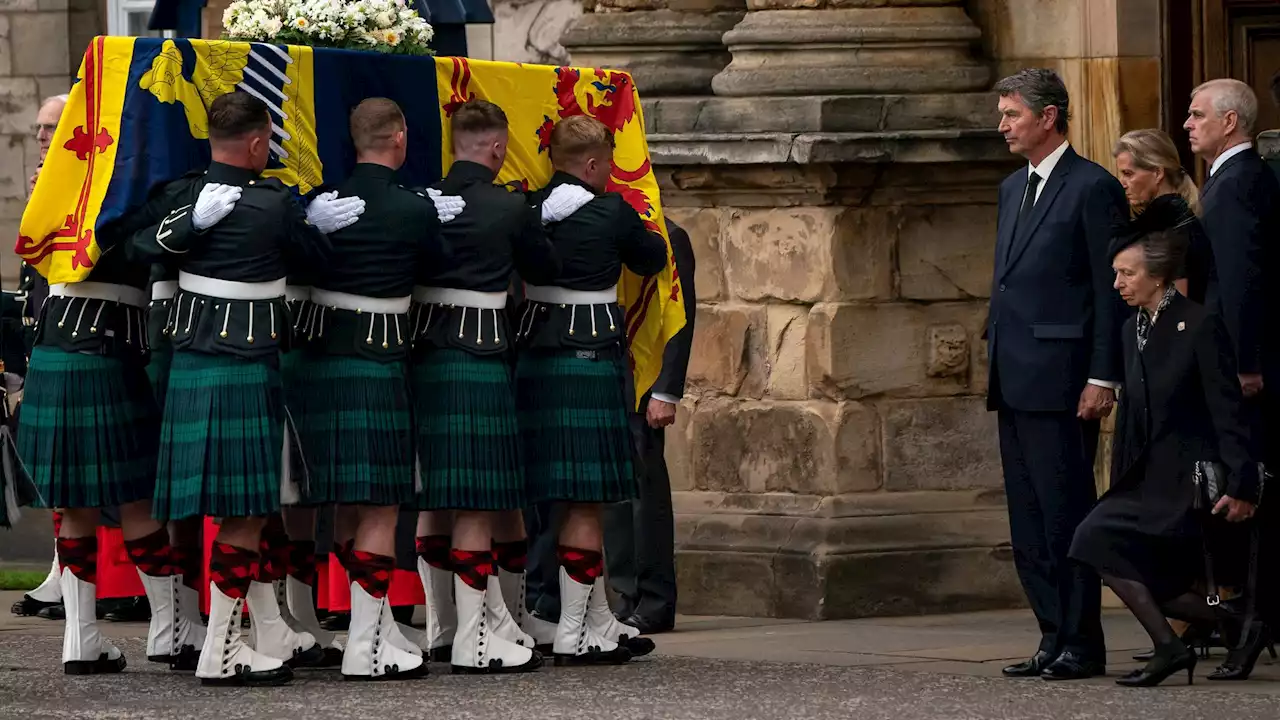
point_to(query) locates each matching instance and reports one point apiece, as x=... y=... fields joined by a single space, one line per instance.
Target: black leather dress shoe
x=30 y=607
x=651 y=627
x=1030 y=668
x=1073 y=666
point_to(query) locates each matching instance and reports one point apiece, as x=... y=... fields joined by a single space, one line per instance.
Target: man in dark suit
x=1054 y=351
x=639 y=536
x=1241 y=216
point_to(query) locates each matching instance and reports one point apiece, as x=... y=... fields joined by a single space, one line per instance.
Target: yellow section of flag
x=534 y=98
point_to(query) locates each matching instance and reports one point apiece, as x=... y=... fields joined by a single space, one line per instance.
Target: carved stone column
x=865 y=46
x=833 y=456
x=670 y=47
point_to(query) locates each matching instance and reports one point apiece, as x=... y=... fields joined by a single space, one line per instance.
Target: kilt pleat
x=356 y=429
x=222 y=440
x=158 y=372
x=468 y=436
x=573 y=422
x=89 y=429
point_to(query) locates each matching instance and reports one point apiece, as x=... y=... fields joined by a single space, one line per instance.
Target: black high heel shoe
x=1240 y=661
x=1199 y=637
x=1167 y=660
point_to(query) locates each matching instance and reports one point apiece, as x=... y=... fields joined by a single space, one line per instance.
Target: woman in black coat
x=1181 y=404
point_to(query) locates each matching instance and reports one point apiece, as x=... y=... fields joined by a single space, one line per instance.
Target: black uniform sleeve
x=535 y=257
x=1215 y=357
x=643 y=252
x=158 y=231
x=675 y=357
x=305 y=247
x=433 y=249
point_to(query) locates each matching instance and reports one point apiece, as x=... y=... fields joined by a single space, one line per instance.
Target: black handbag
x=1210 y=479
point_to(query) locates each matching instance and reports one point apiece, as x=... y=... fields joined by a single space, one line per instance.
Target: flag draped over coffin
x=137 y=116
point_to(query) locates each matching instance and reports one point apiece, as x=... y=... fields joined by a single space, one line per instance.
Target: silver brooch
x=1182 y=326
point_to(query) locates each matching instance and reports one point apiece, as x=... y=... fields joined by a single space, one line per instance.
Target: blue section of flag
x=345 y=77
x=155 y=143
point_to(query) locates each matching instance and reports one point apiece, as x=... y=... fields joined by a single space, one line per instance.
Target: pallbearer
x=357 y=425
x=570 y=375
x=468 y=439
x=223 y=445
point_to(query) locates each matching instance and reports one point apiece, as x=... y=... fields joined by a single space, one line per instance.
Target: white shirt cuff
x=663 y=397
x=1104 y=383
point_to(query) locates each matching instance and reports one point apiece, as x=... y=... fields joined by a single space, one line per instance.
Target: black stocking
x=1191 y=608
x=1144 y=607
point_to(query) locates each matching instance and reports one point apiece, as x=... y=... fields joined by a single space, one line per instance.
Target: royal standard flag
x=137 y=116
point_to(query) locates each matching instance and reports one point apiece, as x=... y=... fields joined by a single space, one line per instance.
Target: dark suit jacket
x=1182 y=404
x=1055 y=317
x=1241 y=216
x=675 y=358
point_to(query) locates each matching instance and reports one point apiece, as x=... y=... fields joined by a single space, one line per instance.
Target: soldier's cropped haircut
x=578 y=136
x=374 y=123
x=477 y=116
x=235 y=115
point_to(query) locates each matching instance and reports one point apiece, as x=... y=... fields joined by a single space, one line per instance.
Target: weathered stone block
x=810 y=254
x=703 y=226
x=720 y=583
x=979 y=365
x=922 y=582
x=763 y=447
x=676 y=448
x=946 y=252
x=6 y=5
x=787 y=378
x=13 y=176
x=6 y=51
x=857 y=448
x=948 y=351
x=18 y=105
x=942 y=444
x=857 y=351
x=728 y=345
x=39 y=42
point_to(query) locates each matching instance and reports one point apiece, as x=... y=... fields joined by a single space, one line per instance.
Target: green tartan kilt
x=468 y=436
x=573 y=421
x=356 y=428
x=222 y=439
x=89 y=429
x=158 y=372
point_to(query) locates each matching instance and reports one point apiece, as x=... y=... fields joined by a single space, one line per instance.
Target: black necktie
x=1029 y=199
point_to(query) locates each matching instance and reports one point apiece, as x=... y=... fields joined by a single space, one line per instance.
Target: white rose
x=384 y=19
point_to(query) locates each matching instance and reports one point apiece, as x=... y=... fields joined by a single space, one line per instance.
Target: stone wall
x=39 y=53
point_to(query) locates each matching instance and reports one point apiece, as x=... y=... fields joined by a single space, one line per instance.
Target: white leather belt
x=294 y=293
x=360 y=303
x=229 y=289
x=164 y=289
x=462 y=298
x=101 y=291
x=565 y=296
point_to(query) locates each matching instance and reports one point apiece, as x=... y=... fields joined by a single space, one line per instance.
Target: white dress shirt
x=1044 y=170
x=1227 y=155
x=663 y=397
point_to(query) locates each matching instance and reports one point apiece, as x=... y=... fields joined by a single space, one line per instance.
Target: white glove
x=564 y=201
x=448 y=207
x=215 y=202
x=330 y=213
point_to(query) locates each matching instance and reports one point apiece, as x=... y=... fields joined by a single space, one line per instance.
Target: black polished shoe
x=1030 y=668
x=1239 y=663
x=53 y=612
x=1165 y=661
x=135 y=609
x=30 y=607
x=651 y=627
x=337 y=622
x=1073 y=666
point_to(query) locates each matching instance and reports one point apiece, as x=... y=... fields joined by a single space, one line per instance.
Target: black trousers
x=1049 y=484
x=639 y=536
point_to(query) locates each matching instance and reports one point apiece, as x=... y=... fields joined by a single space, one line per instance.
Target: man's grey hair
x=59 y=98
x=1039 y=88
x=1229 y=95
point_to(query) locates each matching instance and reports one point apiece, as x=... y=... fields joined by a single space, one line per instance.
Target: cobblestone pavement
x=724 y=668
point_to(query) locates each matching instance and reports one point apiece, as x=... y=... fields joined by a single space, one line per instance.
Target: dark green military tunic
x=223 y=438
x=354 y=417
x=570 y=374
x=90 y=422
x=464 y=396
